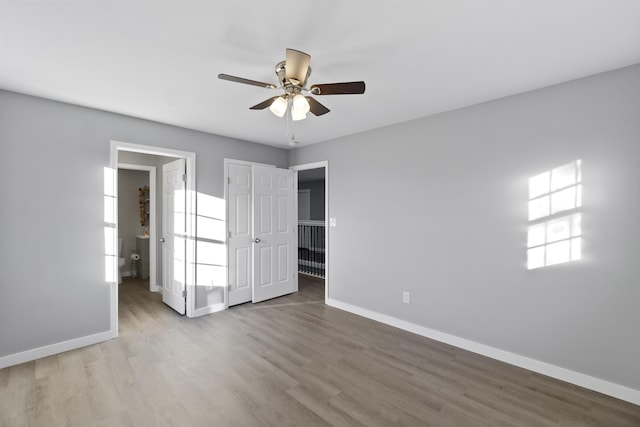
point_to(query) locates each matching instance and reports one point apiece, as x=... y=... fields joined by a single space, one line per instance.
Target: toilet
x=120 y=261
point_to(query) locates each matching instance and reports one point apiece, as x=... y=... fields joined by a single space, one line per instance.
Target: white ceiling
x=159 y=60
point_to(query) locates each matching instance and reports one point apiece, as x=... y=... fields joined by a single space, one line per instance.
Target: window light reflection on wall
x=553 y=236
x=110 y=234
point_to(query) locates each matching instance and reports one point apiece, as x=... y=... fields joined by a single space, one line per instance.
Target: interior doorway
x=137 y=223
x=141 y=157
x=313 y=222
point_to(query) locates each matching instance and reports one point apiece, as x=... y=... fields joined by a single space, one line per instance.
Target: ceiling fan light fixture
x=300 y=104
x=299 y=107
x=292 y=74
x=279 y=106
x=297 y=115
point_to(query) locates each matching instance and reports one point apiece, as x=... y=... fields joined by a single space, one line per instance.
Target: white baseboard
x=48 y=350
x=596 y=384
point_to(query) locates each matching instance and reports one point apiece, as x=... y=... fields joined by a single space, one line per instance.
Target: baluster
x=313 y=254
x=309 y=249
x=306 y=251
x=299 y=245
x=316 y=263
x=321 y=255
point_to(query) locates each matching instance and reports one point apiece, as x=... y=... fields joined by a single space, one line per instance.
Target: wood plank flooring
x=291 y=361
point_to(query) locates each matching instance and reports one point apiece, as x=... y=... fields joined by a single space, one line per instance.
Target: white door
x=174 y=233
x=240 y=214
x=275 y=230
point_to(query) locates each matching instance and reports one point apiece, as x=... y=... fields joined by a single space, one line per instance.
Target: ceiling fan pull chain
x=292 y=137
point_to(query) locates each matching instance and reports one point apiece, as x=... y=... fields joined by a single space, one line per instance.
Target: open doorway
x=137 y=222
x=312 y=227
x=141 y=255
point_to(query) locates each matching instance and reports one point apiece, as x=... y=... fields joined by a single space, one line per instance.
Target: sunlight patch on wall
x=551 y=238
x=211 y=268
x=110 y=235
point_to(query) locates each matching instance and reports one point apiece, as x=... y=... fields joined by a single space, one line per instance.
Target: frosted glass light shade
x=299 y=107
x=279 y=106
x=297 y=115
x=300 y=104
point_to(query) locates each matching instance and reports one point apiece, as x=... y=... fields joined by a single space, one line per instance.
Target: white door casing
x=275 y=233
x=323 y=164
x=239 y=180
x=174 y=235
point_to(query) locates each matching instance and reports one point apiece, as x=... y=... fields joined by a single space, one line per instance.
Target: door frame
x=174 y=195
x=316 y=165
x=190 y=158
x=153 y=286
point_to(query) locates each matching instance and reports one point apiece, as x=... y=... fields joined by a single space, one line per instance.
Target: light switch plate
x=333 y=222
x=406 y=297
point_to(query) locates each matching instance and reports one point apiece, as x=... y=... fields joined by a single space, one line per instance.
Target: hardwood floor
x=291 y=361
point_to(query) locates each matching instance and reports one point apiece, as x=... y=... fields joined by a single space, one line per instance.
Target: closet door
x=239 y=183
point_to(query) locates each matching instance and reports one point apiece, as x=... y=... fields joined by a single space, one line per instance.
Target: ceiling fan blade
x=246 y=81
x=316 y=108
x=264 y=104
x=297 y=66
x=349 y=88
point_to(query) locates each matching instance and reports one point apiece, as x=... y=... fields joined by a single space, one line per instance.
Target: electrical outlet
x=406 y=297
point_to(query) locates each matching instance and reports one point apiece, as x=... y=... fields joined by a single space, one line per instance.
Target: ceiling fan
x=293 y=74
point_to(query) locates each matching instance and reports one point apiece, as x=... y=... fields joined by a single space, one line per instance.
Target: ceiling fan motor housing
x=290 y=85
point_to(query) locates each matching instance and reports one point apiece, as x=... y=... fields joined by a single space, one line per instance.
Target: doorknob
x=162 y=240
x=257 y=240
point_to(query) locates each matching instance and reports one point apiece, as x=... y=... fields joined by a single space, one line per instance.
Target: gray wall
x=317 y=198
x=129 y=181
x=438 y=207
x=59 y=152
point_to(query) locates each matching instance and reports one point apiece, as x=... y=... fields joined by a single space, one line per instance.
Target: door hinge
x=184 y=293
x=229 y=286
x=229 y=233
x=184 y=177
x=228 y=180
